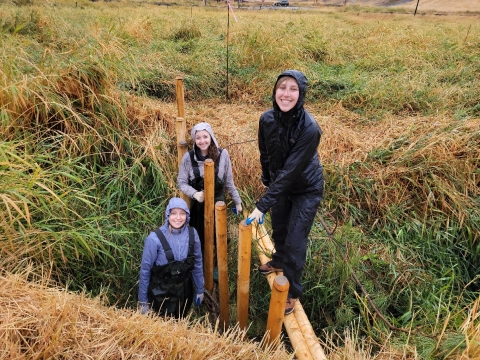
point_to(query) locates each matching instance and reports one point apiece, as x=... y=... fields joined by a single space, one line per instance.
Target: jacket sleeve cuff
x=265 y=181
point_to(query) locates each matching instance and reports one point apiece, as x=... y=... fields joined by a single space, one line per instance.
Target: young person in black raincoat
x=288 y=138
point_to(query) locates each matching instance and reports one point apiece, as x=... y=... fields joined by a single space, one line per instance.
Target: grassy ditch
x=88 y=155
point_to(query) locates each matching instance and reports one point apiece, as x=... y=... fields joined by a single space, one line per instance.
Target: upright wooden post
x=276 y=312
x=209 y=214
x=182 y=149
x=221 y=235
x=243 y=281
x=181 y=129
x=180 y=96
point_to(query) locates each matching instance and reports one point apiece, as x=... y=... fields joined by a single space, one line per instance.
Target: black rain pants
x=292 y=219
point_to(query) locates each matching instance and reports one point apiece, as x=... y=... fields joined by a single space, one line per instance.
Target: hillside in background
x=439 y=5
x=423 y=5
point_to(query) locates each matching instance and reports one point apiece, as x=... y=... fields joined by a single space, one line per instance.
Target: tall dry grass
x=39 y=320
x=88 y=158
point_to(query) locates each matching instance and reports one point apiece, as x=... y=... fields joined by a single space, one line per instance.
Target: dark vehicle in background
x=282 y=3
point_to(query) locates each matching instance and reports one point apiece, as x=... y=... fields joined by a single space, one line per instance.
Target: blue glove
x=198 y=299
x=237 y=210
x=256 y=215
x=144 y=307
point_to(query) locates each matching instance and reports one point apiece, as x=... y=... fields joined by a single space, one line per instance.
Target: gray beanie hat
x=204 y=126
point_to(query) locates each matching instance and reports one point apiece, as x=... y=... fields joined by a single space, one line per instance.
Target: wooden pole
x=276 y=311
x=180 y=96
x=221 y=235
x=308 y=333
x=228 y=32
x=464 y=41
x=209 y=215
x=416 y=7
x=182 y=150
x=243 y=280
x=181 y=129
x=304 y=350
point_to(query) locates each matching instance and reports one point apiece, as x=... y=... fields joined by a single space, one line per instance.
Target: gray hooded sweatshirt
x=178 y=239
x=185 y=172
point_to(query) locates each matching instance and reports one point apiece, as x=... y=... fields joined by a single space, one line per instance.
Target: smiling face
x=177 y=218
x=287 y=93
x=203 y=140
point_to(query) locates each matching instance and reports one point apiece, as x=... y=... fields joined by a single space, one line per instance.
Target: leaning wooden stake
x=301 y=335
x=243 y=280
x=308 y=333
x=209 y=215
x=276 y=311
x=221 y=235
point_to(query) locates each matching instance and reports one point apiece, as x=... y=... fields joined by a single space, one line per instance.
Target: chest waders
x=171 y=288
x=197 y=209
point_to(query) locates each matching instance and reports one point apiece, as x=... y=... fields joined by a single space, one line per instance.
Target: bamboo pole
x=243 y=277
x=180 y=96
x=221 y=235
x=276 y=311
x=302 y=336
x=209 y=215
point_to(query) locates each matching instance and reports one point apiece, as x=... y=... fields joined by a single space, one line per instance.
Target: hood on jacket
x=302 y=82
x=203 y=126
x=177 y=203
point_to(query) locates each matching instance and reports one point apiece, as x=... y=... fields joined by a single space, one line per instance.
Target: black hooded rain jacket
x=288 y=149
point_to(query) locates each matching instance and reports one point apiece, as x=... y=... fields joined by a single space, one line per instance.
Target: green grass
x=88 y=159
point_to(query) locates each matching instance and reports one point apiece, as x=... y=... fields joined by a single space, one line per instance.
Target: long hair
x=212 y=152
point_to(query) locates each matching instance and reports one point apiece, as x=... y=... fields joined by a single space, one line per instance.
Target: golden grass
x=41 y=321
x=471 y=329
x=38 y=320
x=431 y=166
